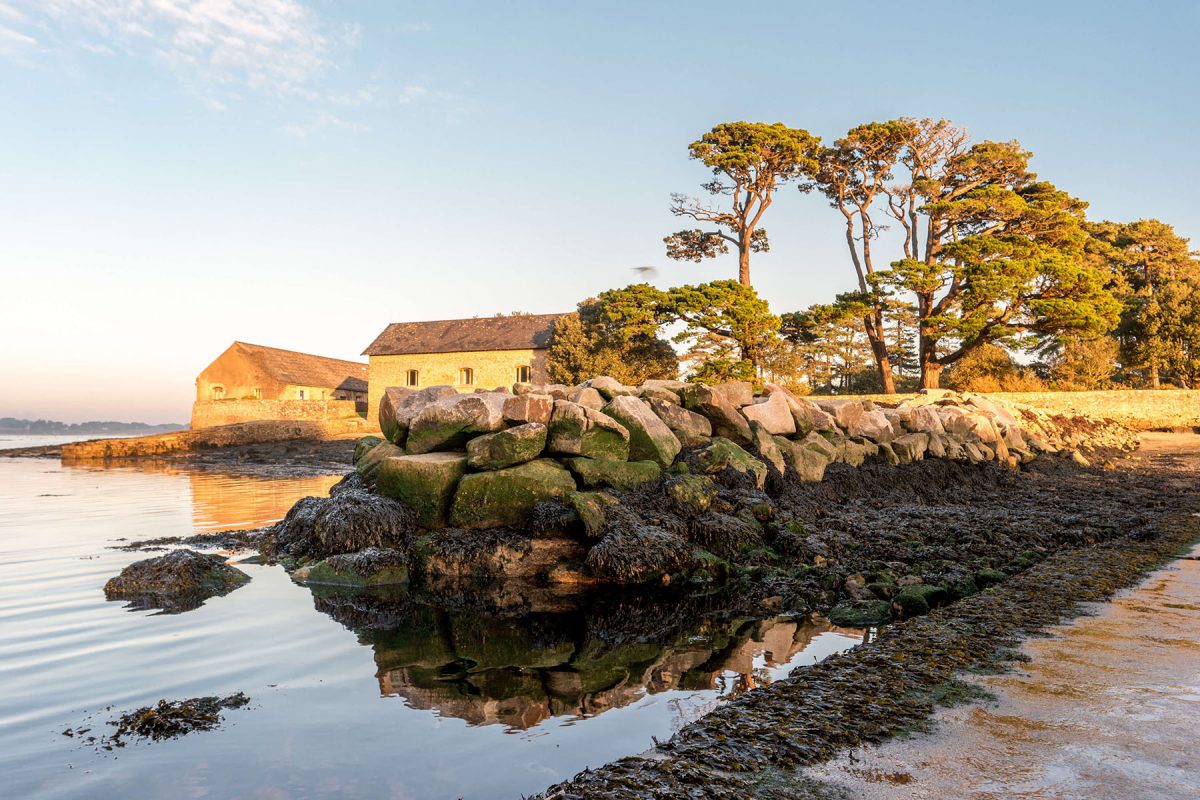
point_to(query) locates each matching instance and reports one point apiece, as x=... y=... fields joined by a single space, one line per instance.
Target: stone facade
x=490 y=369
x=252 y=372
x=228 y=412
x=242 y=433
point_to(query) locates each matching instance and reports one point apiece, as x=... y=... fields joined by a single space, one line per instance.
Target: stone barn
x=468 y=354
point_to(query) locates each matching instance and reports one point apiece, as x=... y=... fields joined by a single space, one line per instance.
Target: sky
x=179 y=174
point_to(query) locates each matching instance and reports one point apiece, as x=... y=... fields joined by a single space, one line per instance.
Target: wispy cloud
x=322 y=121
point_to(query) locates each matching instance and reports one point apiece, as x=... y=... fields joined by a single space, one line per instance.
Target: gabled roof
x=522 y=332
x=305 y=369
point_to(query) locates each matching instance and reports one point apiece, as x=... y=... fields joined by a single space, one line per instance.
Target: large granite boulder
x=179 y=581
x=609 y=387
x=370 y=567
x=808 y=464
x=650 y=439
x=861 y=419
x=527 y=408
x=766 y=447
x=807 y=415
x=910 y=447
x=691 y=495
x=773 y=413
x=370 y=452
x=447 y=423
x=726 y=420
x=425 y=483
x=400 y=405
x=736 y=393
x=506 y=496
x=576 y=430
x=626 y=475
x=507 y=448
x=588 y=397
x=592 y=509
x=690 y=428
x=821 y=445
x=318 y=527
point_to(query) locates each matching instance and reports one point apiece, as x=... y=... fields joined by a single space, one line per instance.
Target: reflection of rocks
x=573 y=655
x=178 y=581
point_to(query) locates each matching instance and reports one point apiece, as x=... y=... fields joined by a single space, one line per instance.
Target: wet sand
x=1108 y=707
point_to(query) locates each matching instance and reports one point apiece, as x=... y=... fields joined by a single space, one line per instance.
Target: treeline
x=46 y=426
x=958 y=257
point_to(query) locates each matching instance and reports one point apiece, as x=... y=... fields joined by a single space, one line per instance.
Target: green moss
x=364 y=444
x=506 y=496
x=988 y=577
x=915 y=601
x=692 y=495
x=594 y=472
x=861 y=613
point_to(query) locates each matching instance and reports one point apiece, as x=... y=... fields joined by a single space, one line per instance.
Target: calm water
x=16 y=441
x=381 y=694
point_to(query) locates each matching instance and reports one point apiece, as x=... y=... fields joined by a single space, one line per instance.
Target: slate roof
x=524 y=332
x=305 y=369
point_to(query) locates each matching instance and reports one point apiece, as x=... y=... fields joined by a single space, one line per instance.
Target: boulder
x=370 y=567
x=856 y=419
x=726 y=420
x=637 y=554
x=609 y=387
x=654 y=393
x=855 y=452
x=179 y=581
x=593 y=472
x=689 y=427
x=691 y=495
x=588 y=397
x=576 y=430
x=773 y=413
x=727 y=460
x=667 y=385
x=592 y=509
x=367 y=464
x=558 y=391
x=925 y=419
x=822 y=446
x=809 y=464
x=910 y=447
x=447 y=423
x=506 y=496
x=526 y=408
x=317 y=527
x=937 y=445
x=736 y=393
x=807 y=415
x=400 y=405
x=507 y=448
x=650 y=439
x=767 y=450
x=425 y=483
x=364 y=444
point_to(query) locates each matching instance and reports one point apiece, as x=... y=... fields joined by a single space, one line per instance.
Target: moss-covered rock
x=917 y=600
x=364 y=444
x=449 y=422
x=507 y=448
x=638 y=554
x=691 y=495
x=576 y=430
x=728 y=462
x=861 y=613
x=649 y=437
x=989 y=577
x=367 y=465
x=595 y=472
x=808 y=463
x=425 y=483
x=370 y=567
x=592 y=507
x=506 y=496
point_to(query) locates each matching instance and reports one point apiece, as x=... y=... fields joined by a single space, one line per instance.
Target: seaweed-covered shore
x=1094 y=531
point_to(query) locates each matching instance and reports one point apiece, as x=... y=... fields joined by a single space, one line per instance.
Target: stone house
x=468 y=354
x=253 y=372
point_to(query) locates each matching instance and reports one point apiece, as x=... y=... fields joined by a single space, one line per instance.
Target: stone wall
x=243 y=433
x=493 y=368
x=1141 y=409
x=211 y=413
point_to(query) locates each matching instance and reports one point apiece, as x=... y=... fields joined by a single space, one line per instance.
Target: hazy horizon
x=300 y=174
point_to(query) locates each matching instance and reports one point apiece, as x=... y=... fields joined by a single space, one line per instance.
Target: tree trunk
x=931 y=370
x=1154 y=379
x=875 y=335
x=744 y=264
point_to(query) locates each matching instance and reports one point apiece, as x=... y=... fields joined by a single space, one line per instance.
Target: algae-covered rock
x=861 y=613
x=914 y=601
x=179 y=581
x=638 y=554
x=576 y=430
x=766 y=447
x=910 y=447
x=364 y=444
x=367 y=464
x=592 y=509
x=506 y=496
x=691 y=495
x=507 y=448
x=728 y=462
x=370 y=567
x=449 y=422
x=808 y=463
x=649 y=437
x=318 y=527
x=425 y=483
x=593 y=472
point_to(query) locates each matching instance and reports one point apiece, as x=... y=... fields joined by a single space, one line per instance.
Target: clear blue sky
x=177 y=174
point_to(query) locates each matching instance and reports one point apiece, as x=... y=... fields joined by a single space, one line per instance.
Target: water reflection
x=586 y=656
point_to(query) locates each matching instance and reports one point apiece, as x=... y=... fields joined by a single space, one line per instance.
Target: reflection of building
x=239 y=502
x=485 y=352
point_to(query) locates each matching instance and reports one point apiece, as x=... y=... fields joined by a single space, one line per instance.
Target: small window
x=466 y=376
x=258 y=394
x=301 y=394
x=522 y=374
x=413 y=377
x=218 y=393
x=322 y=394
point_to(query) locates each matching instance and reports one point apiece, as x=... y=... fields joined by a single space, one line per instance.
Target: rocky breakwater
x=603 y=482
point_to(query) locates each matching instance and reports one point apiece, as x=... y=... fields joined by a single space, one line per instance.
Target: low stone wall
x=210 y=413
x=243 y=433
x=1140 y=409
